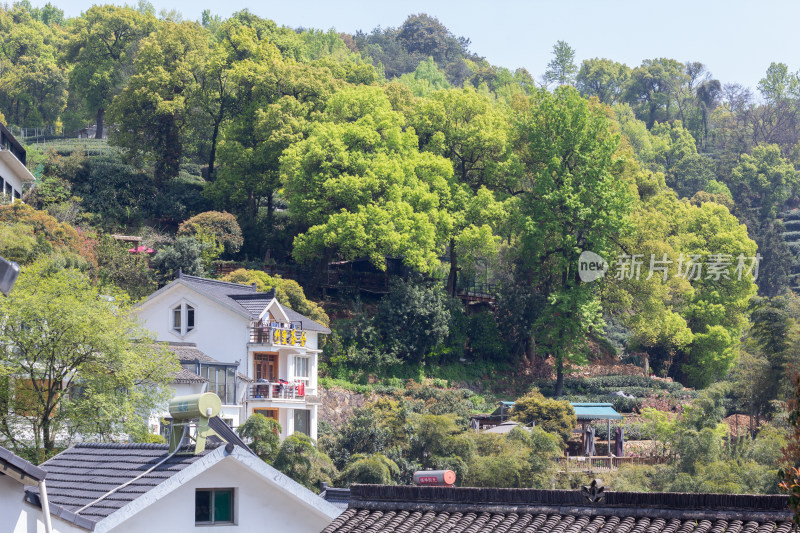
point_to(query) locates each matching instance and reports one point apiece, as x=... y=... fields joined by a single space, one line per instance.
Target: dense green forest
x=240 y=143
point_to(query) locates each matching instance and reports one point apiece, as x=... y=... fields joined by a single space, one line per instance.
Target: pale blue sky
x=735 y=39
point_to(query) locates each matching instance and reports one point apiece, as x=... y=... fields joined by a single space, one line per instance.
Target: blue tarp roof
x=595 y=411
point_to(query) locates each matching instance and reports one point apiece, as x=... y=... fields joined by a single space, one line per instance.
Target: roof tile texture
x=85 y=472
x=407 y=521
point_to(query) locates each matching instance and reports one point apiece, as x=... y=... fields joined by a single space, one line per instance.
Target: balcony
x=282 y=390
x=278 y=334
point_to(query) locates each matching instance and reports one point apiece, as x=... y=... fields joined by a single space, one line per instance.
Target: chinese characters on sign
x=288 y=337
x=690 y=267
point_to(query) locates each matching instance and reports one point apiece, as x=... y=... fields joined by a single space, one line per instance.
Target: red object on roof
x=141 y=249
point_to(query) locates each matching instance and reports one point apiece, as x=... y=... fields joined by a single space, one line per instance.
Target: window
x=269 y=413
x=213 y=506
x=176 y=319
x=301 y=368
x=221 y=381
x=302 y=421
x=182 y=319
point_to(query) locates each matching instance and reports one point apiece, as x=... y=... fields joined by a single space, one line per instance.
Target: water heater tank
x=436 y=478
x=205 y=405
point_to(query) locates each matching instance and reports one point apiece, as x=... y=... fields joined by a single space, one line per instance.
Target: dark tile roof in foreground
x=378 y=508
x=83 y=473
x=19 y=469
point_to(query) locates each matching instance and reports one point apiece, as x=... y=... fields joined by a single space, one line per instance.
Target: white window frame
x=184 y=329
x=307 y=378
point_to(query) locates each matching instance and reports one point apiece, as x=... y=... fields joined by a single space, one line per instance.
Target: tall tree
x=152 y=112
x=33 y=87
x=102 y=44
x=572 y=195
x=561 y=69
x=652 y=89
x=602 y=78
x=472 y=131
x=363 y=189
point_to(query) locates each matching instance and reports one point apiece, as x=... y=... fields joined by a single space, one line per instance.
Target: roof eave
x=16 y=165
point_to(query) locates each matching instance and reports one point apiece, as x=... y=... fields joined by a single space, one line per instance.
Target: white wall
x=18 y=516
x=218 y=331
x=258 y=506
x=10 y=177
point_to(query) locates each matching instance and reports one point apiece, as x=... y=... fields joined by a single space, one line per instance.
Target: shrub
x=553 y=416
x=376 y=469
x=221 y=225
x=263 y=434
x=184 y=255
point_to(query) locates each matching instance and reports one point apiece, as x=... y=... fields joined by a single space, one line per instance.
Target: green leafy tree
x=553 y=416
x=652 y=89
x=263 y=435
x=362 y=188
x=33 y=87
x=561 y=69
x=413 y=319
x=102 y=44
x=473 y=132
x=602 y=78
x=571 y=194
x=287 y=291
x=764 y=180
x=185 y=255
x=221 y=226
x=80 y=365
x=152 y=112
x=376 y=469
x=299 y=459
x=119 y=268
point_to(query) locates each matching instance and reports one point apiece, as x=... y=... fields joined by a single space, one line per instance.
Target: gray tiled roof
x=187 y=376
x=18 y=468
x=246 y=297
x=188 y=351
x=83 y=473
x=455 y=510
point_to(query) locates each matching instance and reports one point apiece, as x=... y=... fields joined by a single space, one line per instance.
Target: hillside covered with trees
x=284 y=157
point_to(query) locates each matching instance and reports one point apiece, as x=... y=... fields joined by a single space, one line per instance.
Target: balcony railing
x=591 y=464
x=277 y=333
x=270 y=390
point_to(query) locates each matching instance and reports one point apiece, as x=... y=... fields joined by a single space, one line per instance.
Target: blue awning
x=595 y=411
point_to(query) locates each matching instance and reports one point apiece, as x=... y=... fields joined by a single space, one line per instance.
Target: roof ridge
x=217 y=281
x=516 y=497
x=123 y=445
x=177 y=343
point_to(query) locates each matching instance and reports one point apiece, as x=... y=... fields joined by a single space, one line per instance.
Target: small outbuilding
x=586 y=413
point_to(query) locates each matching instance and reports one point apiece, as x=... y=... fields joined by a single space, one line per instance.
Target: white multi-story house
x=257 y=355
x=14 y=175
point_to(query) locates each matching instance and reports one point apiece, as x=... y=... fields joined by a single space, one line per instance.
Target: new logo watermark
x=592 y=266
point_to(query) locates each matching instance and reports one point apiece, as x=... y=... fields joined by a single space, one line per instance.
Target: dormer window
x=182 y=319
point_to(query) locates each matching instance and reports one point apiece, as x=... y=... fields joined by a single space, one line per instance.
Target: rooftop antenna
x=184 y=410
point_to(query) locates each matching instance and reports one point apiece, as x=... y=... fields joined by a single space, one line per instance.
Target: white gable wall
x=218 y=331
x=11 y=178
x=258 y=506
x=19 y=516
